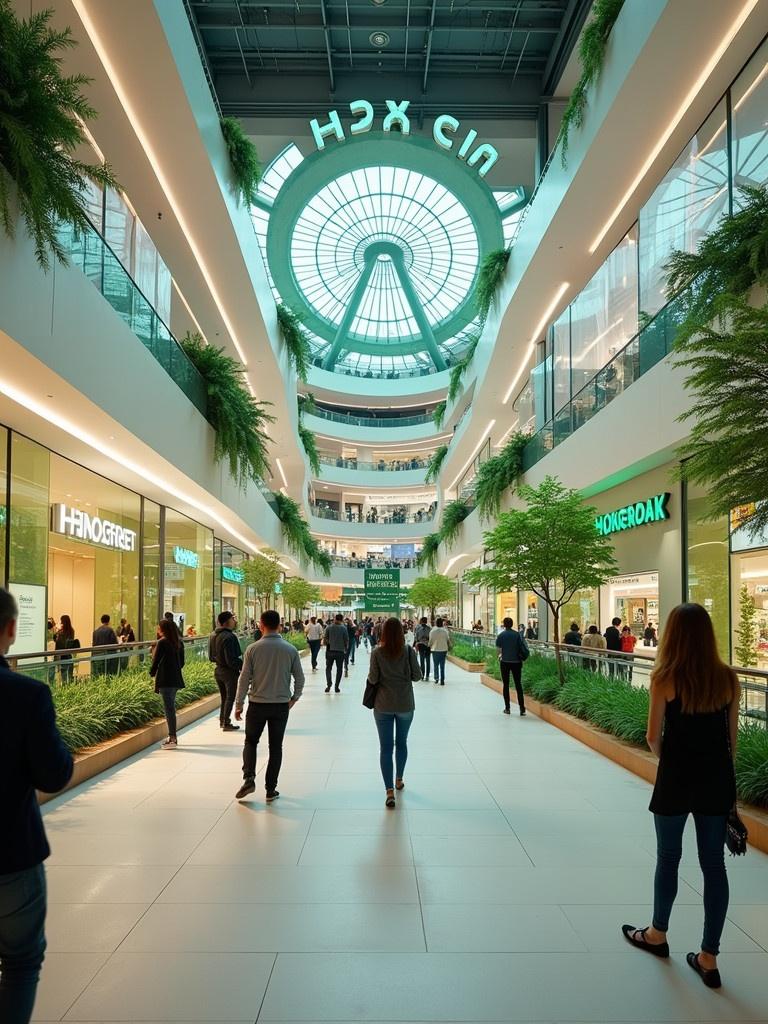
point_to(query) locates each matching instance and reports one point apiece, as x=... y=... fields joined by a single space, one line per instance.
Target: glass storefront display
x=633 y=598
x=188 y=572
x=708 y=564
x=581 y=609
x=152 y=552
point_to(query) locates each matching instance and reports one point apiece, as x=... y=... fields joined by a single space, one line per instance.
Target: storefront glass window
x=3 y=496
x=93 y=549
x=581 y=609
x=561 y=353
x=749 y=102
x=750 y=569
x=188 y=573
x=233 y=590
x=29 y=514
x=684 y=207
x=151 y=581
x=708 y=564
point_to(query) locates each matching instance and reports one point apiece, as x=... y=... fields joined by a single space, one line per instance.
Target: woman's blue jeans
x=168 y=695
x=393 y=729
x=438 y=662
x=710 y=839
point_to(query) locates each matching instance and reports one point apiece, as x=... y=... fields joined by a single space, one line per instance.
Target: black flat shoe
x=710 y=978
x=660 y=949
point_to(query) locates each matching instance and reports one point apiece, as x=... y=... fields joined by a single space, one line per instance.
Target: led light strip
x=709 y=67
x=535 y=338
x=480 y=444
x=279 y=465
x=97 y=444
x=135 y=121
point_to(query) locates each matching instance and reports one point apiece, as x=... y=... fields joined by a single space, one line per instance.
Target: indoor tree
x=238 y=420
x=42 y=119
x=262 y=571
x=746 y=631
x=431 y=592
x=551 y=548
x=299 y=594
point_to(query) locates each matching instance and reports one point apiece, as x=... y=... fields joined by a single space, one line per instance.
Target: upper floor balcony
x=381 y=525
x=387 y=473
x=347 y=426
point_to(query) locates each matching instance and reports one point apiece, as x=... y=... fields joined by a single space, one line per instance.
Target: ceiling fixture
x=379 y=40
x=378 y=3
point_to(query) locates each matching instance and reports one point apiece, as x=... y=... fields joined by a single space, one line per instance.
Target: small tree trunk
x=556 y=637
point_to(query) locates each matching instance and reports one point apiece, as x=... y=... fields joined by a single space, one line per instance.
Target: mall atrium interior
x=338 y=308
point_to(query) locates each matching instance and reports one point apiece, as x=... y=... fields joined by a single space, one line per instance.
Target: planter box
x=468 y=666
x=106 y=755
x=634 y=759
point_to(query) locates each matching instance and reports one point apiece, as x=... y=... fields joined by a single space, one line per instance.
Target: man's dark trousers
x=423 y=650
x=314 y=648
x=516 y=668
x=275 y=717
x=332 y=657
x=227 y=683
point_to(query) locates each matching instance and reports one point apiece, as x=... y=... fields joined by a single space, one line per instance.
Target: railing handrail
x=381 y=520
x=340 y=462
x=370 y=421
x=120 y=648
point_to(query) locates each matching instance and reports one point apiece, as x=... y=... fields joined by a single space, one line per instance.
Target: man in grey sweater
x=336 y=644
x=268 y=666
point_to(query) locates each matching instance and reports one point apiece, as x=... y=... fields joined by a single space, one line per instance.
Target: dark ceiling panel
x=426 y=50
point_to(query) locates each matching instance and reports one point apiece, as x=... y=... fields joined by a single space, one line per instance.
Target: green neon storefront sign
x=639 y=513
x=231 y=575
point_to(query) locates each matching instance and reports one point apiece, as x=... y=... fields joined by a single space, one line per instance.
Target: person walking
x=336 y=644
x=593 y=641
x=628 y=643
x=613 y=645
x=393 y=670
x=32 y=757
x=650 y=638
x=439 y=645
x=103 y=636
x=421 y=640
x=693 y=729
x=65 y=640
x=224 y=651
x=167 y=663
x=314 y=633
x=268 y=667
x=349 y=654
x=513 y=651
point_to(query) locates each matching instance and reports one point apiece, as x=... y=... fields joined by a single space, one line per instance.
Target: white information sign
x=33 y=617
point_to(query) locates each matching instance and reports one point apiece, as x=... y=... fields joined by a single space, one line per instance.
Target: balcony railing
x=88 y=251
x=372 y=421
x=647 y=348
x=347 y=562
x=381 y=517
x=381 y=466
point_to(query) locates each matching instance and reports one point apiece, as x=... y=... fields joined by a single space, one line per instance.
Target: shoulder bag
x=736 y=834
x=369 y=697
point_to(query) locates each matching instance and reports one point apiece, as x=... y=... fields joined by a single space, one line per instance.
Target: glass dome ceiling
x=380 y=259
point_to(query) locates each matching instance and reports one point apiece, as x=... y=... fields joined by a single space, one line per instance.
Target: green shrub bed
x=469 y=652
x=98 y=708
x=298 y=640
x=622 y=711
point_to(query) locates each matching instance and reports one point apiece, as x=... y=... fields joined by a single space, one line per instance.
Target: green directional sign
x=382 y=590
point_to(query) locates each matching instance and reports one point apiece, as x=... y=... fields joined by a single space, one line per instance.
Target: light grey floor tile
x=359 y=822
x=457 y=823
x=592 y=850
x=459 y=928
x=63 y=978
x=107 y=883
x=225 y=849
x=155 y=847
x=90 y=927
x=472 y=851
x=753 y=921
x=270 y=927
x=177 y=987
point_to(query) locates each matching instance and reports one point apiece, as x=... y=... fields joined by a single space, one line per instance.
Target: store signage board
x=397 y=120
x=33 y=618
x=73 y=522
x=232 y=575
x=639 y=513
x=382 y=590
x=185 y=557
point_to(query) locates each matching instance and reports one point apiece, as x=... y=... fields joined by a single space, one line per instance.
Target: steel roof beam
x=327 y=32
x=428 y=54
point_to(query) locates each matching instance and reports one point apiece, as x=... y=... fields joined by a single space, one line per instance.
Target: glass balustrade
x=380 y=466
x=372 y=421
x=89 y=252
x=379 y=518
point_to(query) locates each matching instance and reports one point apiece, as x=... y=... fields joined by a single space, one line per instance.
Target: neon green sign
x=640 y=513
x=231 y=575
x=397 y=118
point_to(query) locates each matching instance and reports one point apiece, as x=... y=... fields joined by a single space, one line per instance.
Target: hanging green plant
x=310 y=447
x=243 y=159
x=238 y=420
x=427 y=557
x=492 y=271
x=594 y=40
x=296 y=342
x=42 y=115
x=296 y=535
x=458 y=371
x=438 y=414
x=499 y=473
x=306 y=403
x=454 y=514
x=434 y=464
x=318 y=557
x=729 y=261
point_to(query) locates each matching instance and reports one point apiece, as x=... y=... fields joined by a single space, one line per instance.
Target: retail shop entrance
x=634 y=598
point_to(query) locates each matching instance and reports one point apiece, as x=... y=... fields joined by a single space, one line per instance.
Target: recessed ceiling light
x=379 y=40
x=378 y=3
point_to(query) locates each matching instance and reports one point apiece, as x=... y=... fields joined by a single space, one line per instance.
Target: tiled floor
x=494 y=892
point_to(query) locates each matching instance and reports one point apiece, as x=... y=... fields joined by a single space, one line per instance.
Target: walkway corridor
x=494 y=892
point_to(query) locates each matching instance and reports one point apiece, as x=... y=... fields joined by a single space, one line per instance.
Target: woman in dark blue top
x=167 y=663
x=695 y=699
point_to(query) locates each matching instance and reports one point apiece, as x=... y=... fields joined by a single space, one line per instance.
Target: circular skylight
x=387 y=242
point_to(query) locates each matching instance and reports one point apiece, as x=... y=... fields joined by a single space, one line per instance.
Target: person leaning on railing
x=593 y=641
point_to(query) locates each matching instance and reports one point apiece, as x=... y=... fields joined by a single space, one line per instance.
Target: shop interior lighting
x=707 y=70
x=536 y=337
x=163 y=180
x=479 y=445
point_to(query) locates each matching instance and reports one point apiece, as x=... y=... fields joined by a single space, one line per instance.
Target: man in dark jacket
x=421 y=641
x=224 y=651
x=32 y=756
x=513 y=651
x=336 y=646
x=104 y=636
x=613 y=643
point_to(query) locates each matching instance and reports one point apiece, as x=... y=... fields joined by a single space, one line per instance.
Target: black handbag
x=736 y=833
x=369 y=697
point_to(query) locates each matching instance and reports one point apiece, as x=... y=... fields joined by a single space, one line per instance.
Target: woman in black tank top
x=692 y=727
